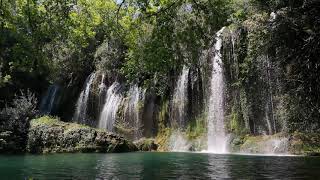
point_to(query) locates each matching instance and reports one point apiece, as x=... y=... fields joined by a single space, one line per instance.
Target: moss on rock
x=305 y=143
x=162 y=139
x=49 y=135
x=146 y=144
x=296 y=143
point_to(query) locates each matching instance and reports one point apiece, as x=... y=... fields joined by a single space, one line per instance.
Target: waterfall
x=80 y=114
x=102 y=92
x=49 y=101
x=110 y=108
x=102 y=86
x=132 y=109
x=271 y=97
x=180 y=98
x=217 y=138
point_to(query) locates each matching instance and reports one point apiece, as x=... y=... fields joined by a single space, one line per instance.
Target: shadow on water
x=157 y=166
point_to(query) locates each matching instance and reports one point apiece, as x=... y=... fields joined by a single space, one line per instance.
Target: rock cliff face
x=48 y=135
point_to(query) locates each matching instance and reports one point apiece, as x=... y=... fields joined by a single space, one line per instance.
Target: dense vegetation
x=148 y=42
x=291 y=40
x=50 y=40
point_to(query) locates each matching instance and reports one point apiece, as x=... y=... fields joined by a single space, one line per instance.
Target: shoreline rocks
x=48 y=135
x=145 y=144
x=297 y=143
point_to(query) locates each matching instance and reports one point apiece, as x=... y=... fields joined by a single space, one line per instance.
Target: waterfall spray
x=178 y=142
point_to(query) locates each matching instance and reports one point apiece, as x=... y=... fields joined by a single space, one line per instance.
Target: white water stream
x=80 y=114
x=110 y=108
x=180 y=99
x=217 y=138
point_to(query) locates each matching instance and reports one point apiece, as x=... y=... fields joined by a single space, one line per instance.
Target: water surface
x=157 y=166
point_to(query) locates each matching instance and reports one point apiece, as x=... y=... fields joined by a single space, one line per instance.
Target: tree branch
x=118 y=10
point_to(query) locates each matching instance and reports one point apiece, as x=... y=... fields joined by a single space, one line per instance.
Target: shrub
x=17 y=116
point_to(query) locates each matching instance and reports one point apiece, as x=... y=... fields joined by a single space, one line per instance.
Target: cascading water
x=80 y=114
x=109 y=112
x=102 y=92
x=180 y=98
x=135 y=95
x=49 y=100
x=217 y=138
x=102 y=86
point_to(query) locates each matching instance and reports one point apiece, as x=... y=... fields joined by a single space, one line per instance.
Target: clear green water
x=157 y=166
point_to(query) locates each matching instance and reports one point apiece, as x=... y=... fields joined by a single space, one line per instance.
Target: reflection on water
x=118 y=167
x=218 y=170
x=157 y=166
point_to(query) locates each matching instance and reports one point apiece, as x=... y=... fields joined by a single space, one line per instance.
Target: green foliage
x=299 y=51
x=236 y=123
x=257 y=41
x=147 y=42
x=305 y=143
x=146 y=144
x=163 y=115
x=14 y=122
x=55 y=121
x=197 y=128
x=4 y=79
x=51 y=39
x=45 y=120
x=17 y=115
x=162 y=139
x=272 y=5
x=170 y=37
x=283 y=39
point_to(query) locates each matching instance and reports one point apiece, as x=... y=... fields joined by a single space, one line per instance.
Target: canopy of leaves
x=57 y=40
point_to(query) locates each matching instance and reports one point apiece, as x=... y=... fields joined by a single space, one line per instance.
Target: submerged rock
x=47 y=135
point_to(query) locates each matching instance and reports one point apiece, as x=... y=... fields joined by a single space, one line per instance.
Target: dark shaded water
x=157 y=166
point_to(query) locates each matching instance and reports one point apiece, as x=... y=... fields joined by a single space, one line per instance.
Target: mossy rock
x=162 y=139
x=274 y=144
x=296 y=143
x=50 y=135
x=146 y=144
x=305 y=143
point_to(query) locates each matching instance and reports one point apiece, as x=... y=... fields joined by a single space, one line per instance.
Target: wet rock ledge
x=49 y=135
